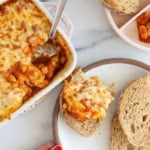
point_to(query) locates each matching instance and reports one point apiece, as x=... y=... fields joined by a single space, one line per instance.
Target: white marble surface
x=94 y=40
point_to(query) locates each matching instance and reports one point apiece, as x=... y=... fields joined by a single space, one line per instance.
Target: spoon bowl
x=48 y=49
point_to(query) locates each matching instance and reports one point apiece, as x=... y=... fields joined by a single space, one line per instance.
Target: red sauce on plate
x=143 y=24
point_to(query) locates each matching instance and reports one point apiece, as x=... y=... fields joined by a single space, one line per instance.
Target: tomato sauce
x=143 y=24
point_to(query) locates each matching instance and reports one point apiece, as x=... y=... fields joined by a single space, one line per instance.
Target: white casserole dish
x=63 y=73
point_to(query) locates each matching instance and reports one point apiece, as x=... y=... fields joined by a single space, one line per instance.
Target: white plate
x=119 y=71
x=125 y=25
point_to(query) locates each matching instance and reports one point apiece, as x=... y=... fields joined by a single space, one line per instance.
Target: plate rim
x=86 y=69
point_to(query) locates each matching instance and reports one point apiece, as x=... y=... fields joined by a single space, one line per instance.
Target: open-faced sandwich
x=84 y=101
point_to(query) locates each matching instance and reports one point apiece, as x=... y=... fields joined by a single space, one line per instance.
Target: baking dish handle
x=68 y=27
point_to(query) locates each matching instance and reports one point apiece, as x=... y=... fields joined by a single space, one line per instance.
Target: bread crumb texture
x=134 y=111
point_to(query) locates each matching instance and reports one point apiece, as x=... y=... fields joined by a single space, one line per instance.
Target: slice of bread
x=87 y=127
x=122 y=6
x=119 y=140
x=134 y=111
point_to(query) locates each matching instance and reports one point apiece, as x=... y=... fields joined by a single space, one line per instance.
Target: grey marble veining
x=94 y=38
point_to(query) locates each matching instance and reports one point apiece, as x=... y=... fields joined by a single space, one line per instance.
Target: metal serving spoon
x=48 y=49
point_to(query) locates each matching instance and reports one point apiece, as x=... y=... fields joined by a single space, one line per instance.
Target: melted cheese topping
x=87 y=100
x=23 y=27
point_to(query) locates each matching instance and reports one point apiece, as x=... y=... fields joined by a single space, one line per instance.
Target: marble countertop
x=93 y=39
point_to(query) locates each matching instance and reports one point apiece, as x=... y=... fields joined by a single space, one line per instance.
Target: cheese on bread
x=87 y=100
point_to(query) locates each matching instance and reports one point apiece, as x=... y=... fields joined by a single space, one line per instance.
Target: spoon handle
x=59 y=11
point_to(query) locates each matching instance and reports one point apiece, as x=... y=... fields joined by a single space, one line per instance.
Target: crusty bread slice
x=122 y=6
x=87 y=127
x=119 y=140
x=134 y=111
x=78 y=75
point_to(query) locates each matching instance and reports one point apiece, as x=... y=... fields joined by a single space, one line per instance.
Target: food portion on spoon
x=45 y=52
x=49 y=48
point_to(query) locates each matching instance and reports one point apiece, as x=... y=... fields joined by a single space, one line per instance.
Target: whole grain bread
x=87 y=127
x=78 y=75
x=134 y=111
x=119 y=140
x=122 y=6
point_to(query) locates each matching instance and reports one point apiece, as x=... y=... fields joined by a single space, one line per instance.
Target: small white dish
x=126 y=27
x=121 y=72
